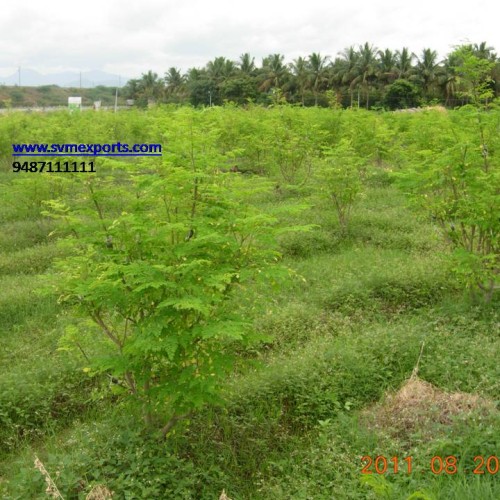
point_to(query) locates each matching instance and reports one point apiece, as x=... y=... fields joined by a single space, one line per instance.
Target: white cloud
x=154 y=34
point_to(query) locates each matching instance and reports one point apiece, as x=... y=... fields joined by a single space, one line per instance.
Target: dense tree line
x=358 y=77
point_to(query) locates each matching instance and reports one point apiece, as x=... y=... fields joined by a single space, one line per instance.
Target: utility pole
x=80 y=80
x=116 y=99
x=19 y=76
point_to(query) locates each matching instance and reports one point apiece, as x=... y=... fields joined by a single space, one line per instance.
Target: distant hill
x=52 y=95
x=89 y=79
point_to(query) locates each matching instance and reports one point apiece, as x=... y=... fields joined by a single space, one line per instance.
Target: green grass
x=291 y=429
x=339 y=337
x=30 y=260
x=20 y=299
x=41 y=389
x=18 y=235
x=374 y=279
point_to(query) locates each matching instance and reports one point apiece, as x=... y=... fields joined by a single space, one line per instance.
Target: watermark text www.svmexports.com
x=114 y=149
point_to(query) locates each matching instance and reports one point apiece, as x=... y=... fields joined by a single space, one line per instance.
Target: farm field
x=284 y=296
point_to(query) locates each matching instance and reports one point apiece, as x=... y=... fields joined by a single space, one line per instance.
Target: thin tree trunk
x=148 y=414
x=170 y=424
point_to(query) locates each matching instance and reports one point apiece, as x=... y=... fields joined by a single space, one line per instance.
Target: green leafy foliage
x=156 y=279
x=340 y=179
x=456 y=179
x=293 y=142
x=475 y=75
x=401 y=94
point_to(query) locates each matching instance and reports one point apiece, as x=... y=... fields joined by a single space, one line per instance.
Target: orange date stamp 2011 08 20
x=437 y=465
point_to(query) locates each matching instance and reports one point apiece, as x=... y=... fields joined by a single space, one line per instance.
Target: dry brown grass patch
x=99 y=492
x=421 y=408
x=438 y=107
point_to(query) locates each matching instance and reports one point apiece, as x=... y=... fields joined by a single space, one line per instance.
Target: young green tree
x=155 y=272
x=455 y=178
x=401 y=94
x=338 y=174
x=474 y=73
x=293 y=144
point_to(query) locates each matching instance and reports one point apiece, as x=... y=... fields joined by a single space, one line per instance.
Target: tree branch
x=168 y=426
x=97 y=318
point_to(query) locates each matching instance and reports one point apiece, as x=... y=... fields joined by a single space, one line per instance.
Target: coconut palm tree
x=247 y=64
x=404 y=66
x=132 y=89
x=367 y=70
x=427 y=70
x=348 y=69
x=174 y=81
x=220 y=69
x=300 y=72
x=448 y=78
x=318 y=72
x=484 y=51
x=274 y=72
x=334 y=71
x=151 y=86
x=387 y=70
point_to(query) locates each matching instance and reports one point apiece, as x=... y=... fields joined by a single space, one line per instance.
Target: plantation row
x=253 y=317
x=447 y=161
